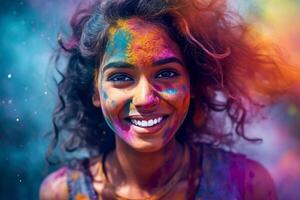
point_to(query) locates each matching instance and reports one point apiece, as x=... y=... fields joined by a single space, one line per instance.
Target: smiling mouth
x=143 y=123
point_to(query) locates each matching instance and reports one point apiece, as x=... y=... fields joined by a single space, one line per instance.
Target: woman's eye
x=120 y=78
x=167 y=74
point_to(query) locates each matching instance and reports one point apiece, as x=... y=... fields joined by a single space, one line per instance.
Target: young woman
x=149 y=91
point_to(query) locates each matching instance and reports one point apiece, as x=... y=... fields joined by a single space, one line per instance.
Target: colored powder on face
x=113 y=103
x=127 y=106
x=157 y=87
x=104 y=94
x=118 y=44
x=170 y=91
x=145 y=47
x=184 y=88
x=130 y=41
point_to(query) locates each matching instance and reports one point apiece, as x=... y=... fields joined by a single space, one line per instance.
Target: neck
x=144 y=170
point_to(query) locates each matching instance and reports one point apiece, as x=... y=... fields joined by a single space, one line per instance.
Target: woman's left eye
x=167 y=74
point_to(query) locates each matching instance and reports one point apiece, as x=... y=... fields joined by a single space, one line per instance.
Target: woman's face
x=143 y=85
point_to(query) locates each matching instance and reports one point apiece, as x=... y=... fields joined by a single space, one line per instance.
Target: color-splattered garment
x=222 y=177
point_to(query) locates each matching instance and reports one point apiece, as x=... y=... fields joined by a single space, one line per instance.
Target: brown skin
x=55 y=186
x=132 y=184
x=258 y=184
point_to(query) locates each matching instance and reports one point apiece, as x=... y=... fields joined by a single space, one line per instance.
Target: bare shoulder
x=259 y=184
x=55 y=186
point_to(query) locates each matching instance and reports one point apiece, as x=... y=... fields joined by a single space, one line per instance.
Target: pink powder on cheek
x=157 y=87
x=120 y=130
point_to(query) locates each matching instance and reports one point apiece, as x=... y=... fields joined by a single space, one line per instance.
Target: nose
x=145 y=96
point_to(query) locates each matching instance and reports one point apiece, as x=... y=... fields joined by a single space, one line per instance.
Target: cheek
x=114 y=103
x=177 y=93
x=109 y=106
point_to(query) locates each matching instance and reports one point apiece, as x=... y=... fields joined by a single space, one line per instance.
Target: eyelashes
x=124 y=77
x=167 y=74
x=120 y=77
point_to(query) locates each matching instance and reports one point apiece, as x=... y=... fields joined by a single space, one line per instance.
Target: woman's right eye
x=120 y=77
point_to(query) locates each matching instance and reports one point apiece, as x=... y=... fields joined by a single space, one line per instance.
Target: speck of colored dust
x=9 y=76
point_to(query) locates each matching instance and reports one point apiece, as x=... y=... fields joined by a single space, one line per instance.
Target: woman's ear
x=96 y=99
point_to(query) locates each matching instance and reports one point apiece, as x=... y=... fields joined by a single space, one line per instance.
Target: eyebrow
x=118 y=65
x=125 y=65
x=168 y=60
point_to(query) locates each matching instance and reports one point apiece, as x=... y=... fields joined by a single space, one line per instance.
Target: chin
x=147 y=146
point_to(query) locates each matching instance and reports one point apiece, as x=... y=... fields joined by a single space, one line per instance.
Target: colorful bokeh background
x=27 y=95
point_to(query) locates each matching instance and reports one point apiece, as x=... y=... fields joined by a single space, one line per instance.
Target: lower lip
x=148 y=130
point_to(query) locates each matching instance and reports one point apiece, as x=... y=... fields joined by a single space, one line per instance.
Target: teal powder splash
x=105 y=96
x=127 y=106
x=113 y=103
x=170 y=91
x=117 y=46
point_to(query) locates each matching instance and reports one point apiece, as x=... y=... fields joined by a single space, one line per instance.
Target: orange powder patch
x=80 y=196
x=74 y=176
x=143 y=45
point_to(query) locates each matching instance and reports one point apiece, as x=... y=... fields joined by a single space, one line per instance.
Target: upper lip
x=145 y=117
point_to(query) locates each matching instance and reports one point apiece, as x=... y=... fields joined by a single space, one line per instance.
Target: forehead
x=136 y=40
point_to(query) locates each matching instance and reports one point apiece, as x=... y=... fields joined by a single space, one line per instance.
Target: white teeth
x=139 y=123
x=150 y=122
x=159 y=119
x=145 y=123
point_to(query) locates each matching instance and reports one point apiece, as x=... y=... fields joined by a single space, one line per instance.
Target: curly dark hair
x=226 y=64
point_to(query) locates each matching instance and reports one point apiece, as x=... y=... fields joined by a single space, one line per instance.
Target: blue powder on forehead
x=118 y=44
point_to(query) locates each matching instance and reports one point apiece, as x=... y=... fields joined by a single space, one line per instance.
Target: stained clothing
x=222 y=177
